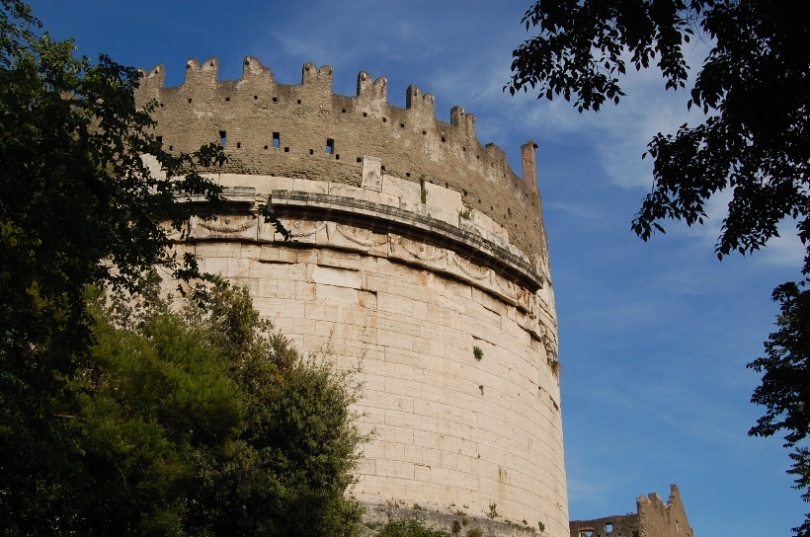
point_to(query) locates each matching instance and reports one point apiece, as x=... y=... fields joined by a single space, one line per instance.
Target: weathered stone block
x=444 y=199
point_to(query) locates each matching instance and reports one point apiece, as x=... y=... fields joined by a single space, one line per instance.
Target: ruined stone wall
x=448 y=310
x=611 y=526
x=657 y=518
x=654 y=518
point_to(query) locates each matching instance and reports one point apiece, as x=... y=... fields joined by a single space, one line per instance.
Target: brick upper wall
x=307 y=131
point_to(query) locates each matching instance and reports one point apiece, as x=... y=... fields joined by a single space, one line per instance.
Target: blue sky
x=654 y=337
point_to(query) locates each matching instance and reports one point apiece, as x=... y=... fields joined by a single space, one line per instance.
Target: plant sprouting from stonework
x=493 y=511
x=478 y=353
x=466 y=214
x=554 y=365
x=409 y=527
x=270 y=218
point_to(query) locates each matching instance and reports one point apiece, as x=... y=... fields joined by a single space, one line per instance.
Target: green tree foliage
x=76 y=199
x=751 y=142
x=150 y=398
x=754 y=89
x=785 y=388
x=287 y=469
x=200 y=423
x=133 y=420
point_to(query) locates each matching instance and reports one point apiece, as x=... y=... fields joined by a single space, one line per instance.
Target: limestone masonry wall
x=438 y=287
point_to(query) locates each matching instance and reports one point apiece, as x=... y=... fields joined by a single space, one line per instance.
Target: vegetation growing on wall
x=409 y=527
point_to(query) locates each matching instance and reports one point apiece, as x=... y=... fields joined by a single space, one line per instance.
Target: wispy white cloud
x=783 y=251
x=619 y=134
x=577 y=210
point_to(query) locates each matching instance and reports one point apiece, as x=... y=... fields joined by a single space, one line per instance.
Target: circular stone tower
x=416 y=251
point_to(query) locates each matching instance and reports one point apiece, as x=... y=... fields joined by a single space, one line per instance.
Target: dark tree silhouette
x=754 y=91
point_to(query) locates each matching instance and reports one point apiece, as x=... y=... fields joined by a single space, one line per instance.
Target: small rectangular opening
x=276 y=140
x=330 y=146
x=223 y=138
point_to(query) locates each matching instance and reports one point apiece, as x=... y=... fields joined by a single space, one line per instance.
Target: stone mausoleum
x=416 y=253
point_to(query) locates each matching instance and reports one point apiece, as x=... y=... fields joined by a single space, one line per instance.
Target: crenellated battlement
x=307 y=131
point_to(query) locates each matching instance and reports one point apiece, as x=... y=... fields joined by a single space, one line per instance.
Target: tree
x=785 y=388
x=134 y=420
x=287 y=469
x=199 y=423
x=754 y=89
x=153 y=394
x=76 y=200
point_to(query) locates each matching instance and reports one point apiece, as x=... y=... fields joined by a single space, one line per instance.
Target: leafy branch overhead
x=752 y=140
x=752 y=87
x=582 y=48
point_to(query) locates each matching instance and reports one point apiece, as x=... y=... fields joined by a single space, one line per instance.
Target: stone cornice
x=387 y=218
